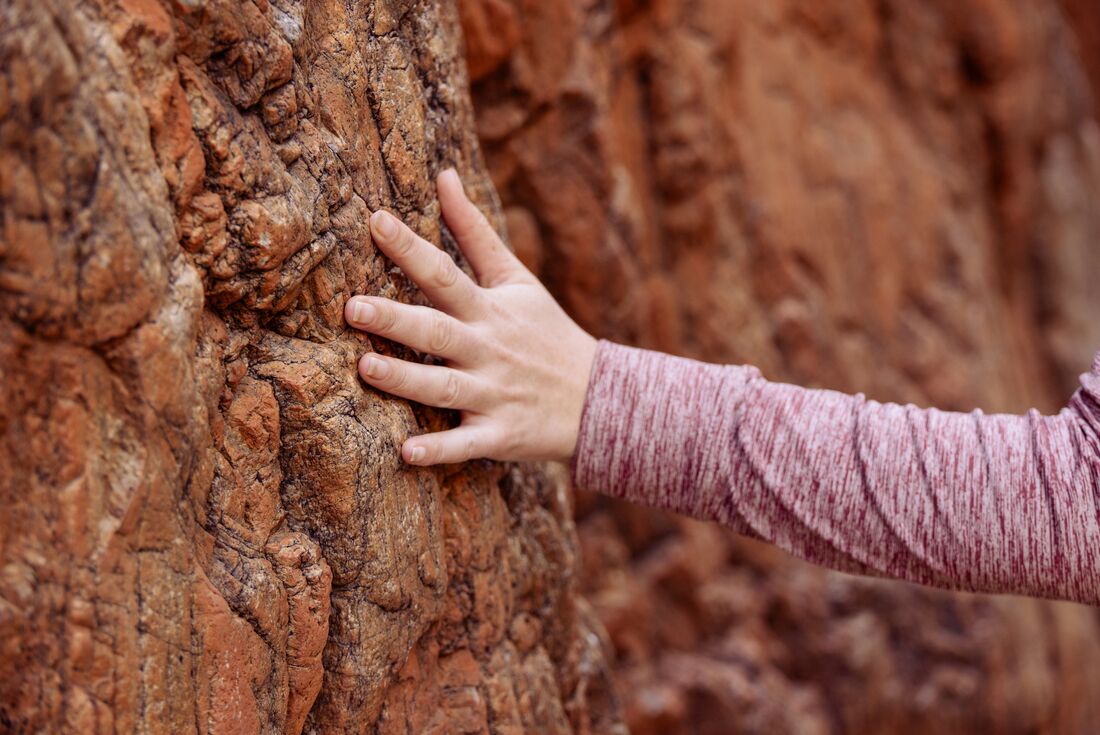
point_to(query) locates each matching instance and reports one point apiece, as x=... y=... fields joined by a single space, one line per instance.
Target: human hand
x=516 y=366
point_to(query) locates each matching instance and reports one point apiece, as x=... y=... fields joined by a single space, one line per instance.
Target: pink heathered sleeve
x=988 y=503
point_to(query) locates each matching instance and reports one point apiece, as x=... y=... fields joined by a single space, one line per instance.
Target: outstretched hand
x=516 y=365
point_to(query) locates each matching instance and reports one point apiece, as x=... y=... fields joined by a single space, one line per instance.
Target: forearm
x=987 y=503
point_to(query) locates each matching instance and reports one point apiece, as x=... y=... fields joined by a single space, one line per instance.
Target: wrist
x=582 y=362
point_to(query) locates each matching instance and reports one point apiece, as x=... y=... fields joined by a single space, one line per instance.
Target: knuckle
x=405 y=241
x=387 y=317
x=397 y=378
x=452 y=390
x=501 y=354
x=510 y=393
x=440 y=334
x=498 y=311
x=446 y=272
x=508 y=443
x=470 y=447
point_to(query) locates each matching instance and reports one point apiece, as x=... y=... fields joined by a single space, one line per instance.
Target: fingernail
x=417 y=454
x=384 y=224
x=450 y=173
x=363 y=312
x=375 y=367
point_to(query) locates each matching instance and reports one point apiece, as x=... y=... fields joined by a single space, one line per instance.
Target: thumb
x=491 y=259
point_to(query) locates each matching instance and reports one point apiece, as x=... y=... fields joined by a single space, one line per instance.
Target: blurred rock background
x=899 y=197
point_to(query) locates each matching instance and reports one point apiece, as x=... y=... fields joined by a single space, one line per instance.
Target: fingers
x=430 y=268
x=492 y=261
x=431 y=385
x=448 y=447
x=422 y=328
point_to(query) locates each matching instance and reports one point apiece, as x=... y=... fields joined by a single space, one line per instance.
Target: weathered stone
x=206 y=525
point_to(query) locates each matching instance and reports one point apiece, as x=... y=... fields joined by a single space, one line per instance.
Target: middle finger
x=420 y=327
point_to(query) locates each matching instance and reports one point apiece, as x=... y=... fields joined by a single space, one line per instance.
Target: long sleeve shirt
x=988 y=503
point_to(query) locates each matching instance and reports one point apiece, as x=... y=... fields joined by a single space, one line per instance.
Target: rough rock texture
x=206 y=526
x=890 y=196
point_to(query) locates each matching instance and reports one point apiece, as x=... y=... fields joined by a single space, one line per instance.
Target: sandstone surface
x=206 y=525
x=897 y=197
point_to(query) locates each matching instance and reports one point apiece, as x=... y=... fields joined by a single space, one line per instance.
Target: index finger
x=429 y=267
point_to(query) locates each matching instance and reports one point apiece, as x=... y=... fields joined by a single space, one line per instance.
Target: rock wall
x=890 y=196
x=206 y=525
x=1084 y=19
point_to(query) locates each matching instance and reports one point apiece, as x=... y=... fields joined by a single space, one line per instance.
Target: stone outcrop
x=1084 y=18
x=206 y=526
x=897 y=197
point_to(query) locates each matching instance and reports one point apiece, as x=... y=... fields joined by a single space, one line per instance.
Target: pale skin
x=516 y=366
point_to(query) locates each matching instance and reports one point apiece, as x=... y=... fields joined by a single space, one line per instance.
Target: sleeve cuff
x=653 y=428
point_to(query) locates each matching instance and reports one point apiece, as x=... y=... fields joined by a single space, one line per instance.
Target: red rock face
x=206 y=526
x=891 y=197
x=1084 y=18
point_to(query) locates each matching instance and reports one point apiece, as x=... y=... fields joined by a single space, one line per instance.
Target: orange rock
x=207 y=526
